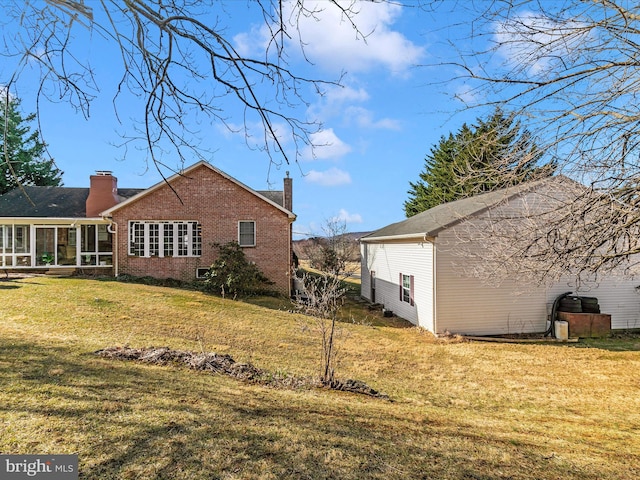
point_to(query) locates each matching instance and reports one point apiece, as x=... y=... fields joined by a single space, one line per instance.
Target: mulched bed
x=226 y=365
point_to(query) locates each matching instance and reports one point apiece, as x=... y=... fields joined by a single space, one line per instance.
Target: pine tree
x=496 y=153
x=22 y=159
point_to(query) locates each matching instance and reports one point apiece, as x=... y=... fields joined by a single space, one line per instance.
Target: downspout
x=290 y=255
x=114 y=232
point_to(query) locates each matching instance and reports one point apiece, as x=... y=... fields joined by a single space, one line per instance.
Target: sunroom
x=56 y=243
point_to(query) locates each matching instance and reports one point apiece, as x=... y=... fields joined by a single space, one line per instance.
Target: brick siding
x=218 y=204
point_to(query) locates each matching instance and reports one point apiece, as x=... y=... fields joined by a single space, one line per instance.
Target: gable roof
x=440 y=217
x=269 y=197
x=50 y=202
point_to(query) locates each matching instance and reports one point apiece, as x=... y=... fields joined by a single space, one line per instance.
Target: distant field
x=458 y=410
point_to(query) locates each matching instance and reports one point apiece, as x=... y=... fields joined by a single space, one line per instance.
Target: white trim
x=424 y=237
x=51 y=220
x=193 y=247
x=198 y=269
x=75 y=228
x=255 y=233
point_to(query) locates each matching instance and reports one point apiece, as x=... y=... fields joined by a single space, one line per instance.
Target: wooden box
x=587 y=325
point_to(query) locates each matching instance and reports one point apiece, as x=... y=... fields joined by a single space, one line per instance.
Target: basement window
x=201 y=272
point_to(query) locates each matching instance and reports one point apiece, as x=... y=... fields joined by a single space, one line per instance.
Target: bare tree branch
x=571 y=71
x=179 y=57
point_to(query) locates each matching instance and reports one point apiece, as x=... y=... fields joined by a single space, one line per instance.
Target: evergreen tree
x=22 y=152
x=496 y=153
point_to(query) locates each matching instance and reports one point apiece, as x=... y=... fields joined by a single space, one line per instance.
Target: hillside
x=456 y=409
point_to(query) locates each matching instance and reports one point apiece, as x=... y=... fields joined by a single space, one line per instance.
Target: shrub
x=233 y=274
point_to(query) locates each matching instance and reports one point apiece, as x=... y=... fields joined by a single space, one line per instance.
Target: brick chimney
x=287 y=193
x=103 y=193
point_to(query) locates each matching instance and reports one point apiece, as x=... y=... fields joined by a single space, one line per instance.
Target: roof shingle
x=50 y=202
x=430 y=222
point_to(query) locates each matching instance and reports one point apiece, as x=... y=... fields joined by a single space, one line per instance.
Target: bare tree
x=543 y=232
x=334 y=250
x=178 y=57
x=321 y=295
x=571 y=71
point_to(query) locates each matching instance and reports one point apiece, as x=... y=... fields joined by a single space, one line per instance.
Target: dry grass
x=460 y=409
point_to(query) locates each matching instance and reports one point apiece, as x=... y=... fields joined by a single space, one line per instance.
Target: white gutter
x=49 y=220
x=409 y=236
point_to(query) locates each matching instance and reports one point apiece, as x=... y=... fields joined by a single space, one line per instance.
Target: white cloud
x=255 y=133
x=332 y=41
x=339 y=95
x=340 y=103
x=364 y=119
x=329 y=178
x=325 y=146
x=344 y=216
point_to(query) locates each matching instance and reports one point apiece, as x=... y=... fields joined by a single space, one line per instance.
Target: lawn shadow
x=130 y=420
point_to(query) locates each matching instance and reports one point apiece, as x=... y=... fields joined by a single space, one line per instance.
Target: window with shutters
x=406 y=288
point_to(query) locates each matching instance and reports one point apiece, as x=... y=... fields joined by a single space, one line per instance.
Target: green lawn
x=458 y=410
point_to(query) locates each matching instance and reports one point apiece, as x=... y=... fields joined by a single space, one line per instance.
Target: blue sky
x=377 y=128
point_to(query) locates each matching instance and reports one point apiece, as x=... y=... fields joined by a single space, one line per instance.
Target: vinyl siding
x=467 y=300
x=467 y=305
x=470 y=306
x=388 y=261
x=617 y=297
x=483 y=306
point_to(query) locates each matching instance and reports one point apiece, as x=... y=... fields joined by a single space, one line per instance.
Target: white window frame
x=189 y=245
x=16 y=246
x=201 y=272
x=406 y=288
x=240 y=233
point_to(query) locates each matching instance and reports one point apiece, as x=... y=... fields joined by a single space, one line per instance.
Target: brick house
x=166 y=231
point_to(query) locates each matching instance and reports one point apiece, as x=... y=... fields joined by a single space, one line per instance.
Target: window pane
x=105 y=239
x=66 y=246
x=88 y=238
x=136 y=239
x=247 y=234
x=154 y=239
x=183 y=239
x=6 y=238
x=197 y=239
x=168 y=239
x=21 y=244
x=23 y=261
x=406 y=288
x=105 y=260
x=45 y=245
